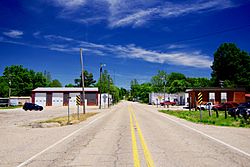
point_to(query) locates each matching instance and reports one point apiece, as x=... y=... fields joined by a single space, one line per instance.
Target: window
x=212 y=97
x=223 y=97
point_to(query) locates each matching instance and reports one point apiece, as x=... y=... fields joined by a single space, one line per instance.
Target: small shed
x=217 y=95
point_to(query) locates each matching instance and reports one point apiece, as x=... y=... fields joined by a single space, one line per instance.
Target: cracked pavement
x=106 y=142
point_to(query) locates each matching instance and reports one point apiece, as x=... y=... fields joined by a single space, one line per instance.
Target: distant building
x=45 y=96
x=217 y=95
x=179 y=98
x=19 y=100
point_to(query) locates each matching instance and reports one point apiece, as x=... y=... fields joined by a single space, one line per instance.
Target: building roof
x=215 y=89
x=64 y=89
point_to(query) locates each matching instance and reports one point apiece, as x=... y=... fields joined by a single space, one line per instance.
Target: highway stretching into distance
x=133 y=134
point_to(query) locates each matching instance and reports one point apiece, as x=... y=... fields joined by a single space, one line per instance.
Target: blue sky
x=134 y=38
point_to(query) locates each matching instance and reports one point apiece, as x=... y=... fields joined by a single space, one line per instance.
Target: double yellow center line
x=147 y=155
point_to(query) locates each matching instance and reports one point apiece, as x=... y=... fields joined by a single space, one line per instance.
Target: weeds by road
x=194 y=116
x=10 y=107
x=73 y=119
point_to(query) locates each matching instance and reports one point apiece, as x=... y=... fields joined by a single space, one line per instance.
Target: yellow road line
x=134 y=144
x=147 y=155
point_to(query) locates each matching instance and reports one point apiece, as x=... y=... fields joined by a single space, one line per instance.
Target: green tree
x=178 y=86
x=123 y=93
x=145 y=89
x=22 y=81
x=70 y=85
x=198 y=82
x=134 y=89
x=175 y=76
x=55 y=83
x=88 y=80
x=232 y=64
x=4 y=87
x=159 y=80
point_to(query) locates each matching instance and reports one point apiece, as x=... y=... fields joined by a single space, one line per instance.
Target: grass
x=73 y=119
x=194 y=116
x=11 y=107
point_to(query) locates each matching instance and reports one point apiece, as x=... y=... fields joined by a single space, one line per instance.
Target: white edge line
x=204 y=134
x=58 y=142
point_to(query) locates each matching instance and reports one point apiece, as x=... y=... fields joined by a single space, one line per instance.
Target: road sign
x=78 y=100
x=200 y=98
x=105 y=98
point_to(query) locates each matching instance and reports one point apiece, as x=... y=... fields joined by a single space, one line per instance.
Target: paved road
x=130 y=134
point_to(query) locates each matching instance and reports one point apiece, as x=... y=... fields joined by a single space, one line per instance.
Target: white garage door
x=40 y=99
x=57 y=99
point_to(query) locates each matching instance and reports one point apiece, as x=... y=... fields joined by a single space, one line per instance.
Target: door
x=49 y=99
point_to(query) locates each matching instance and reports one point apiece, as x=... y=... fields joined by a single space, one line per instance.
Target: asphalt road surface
x=129 y=134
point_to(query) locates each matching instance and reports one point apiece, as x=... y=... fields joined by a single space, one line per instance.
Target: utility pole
x=101 y=65
x=83 y=92
x=164 y=93
x=108 y=89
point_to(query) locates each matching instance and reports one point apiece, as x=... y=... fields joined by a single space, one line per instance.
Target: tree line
x=21 y=81
x=230 y=69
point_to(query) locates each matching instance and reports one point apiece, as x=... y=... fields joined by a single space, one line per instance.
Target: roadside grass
x=194 y=116
x=11 y=107
x=73 y=119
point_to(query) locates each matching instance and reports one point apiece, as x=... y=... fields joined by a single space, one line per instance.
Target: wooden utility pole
x=83 y=92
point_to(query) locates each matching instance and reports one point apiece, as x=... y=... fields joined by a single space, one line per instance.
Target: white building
x=106 y=100
x=46 y=96
x=179 y=98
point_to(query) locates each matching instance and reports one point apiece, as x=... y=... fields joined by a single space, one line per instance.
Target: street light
x=101 y=65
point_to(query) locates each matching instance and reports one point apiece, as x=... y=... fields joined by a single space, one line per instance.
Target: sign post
x=78 y=102
x=200 y=102
x=68 y=108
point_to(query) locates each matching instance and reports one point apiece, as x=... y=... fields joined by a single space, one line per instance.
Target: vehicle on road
x=225 y=106
x=32 y=106
x=243 y=110
x=168 y=103
x=207 y=106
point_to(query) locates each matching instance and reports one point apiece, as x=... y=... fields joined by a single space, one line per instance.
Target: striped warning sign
x=200 y=98
x=78 y=100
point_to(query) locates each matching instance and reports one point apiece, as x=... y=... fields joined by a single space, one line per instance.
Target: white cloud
x=57 y=38
x=135 y=19
x=13 y=33
x=175 y=46
x=191 y=59
x=183 y=58
x=167 y=10
x=120 y=13
x=69 y=4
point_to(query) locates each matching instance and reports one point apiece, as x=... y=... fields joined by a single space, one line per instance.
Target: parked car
x=205 y=106
x=168 y=103
x=31 y=106
x=225 y=106
x=243 y=110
